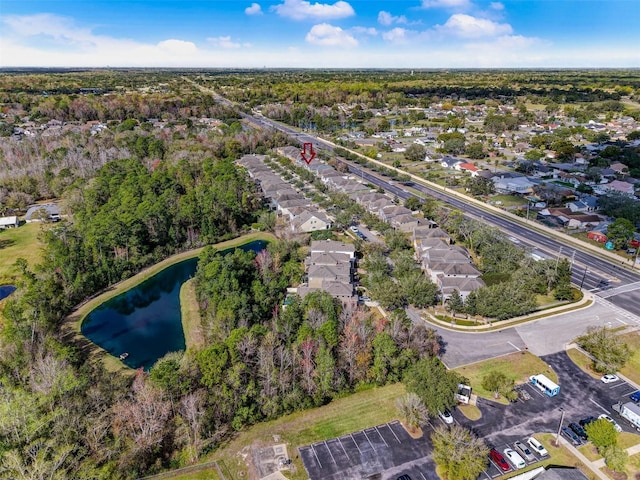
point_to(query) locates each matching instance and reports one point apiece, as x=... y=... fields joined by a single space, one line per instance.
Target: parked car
x=571 y=435
x=612 y=421
x=635 y=396
x=514 y=458
x=578 y=430
x=446 y=417
x=497 y=457
x=523 y=394
x=537 y=447
x=404 y=477
x=609 y=378
x=354 y=229
x=525 y=451
x=587 y=421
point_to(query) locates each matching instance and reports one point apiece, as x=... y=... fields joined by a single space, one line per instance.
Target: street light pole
x=583 y=275
x=559 y=427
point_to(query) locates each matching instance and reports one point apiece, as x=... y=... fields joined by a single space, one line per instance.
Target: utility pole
x=559 y=428
x=583 y=275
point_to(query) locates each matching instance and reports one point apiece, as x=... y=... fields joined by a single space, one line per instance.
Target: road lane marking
x=622 y=322
x=518 y=349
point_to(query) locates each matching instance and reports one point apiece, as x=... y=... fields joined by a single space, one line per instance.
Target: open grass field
x=15 y=243
x=632 y=369
x=355 y=412
x=508 y=200
x=518 y=366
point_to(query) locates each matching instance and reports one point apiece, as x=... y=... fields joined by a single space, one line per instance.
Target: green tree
x=415 y=153
x=460 y=454
x=620 y=232
x=608 y=349
x=413 y=203
x=412 y=410
x=433 y=383
x=616 y=458
x=497 y=382
x=480 y=186
x=601 y=433
x=475 y=150
x=454 y=303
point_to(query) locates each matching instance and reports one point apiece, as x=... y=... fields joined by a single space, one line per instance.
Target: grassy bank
x=190 y=312
x=21 y=242
x=632 y=369
x=518 y=366
x=71 y=328
x=355 y=412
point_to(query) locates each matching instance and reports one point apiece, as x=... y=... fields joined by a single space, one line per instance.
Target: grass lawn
x=518 y=366
x=508 y=200
x=625 y=440
x=632 y=369
x=633 y=466
x=470 y=411
x=561 y=456
x=582 y=361
x=15 y=243
x=355 y=412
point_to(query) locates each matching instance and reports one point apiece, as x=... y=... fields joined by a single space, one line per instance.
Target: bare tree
x=412 y=410
x=191 y=412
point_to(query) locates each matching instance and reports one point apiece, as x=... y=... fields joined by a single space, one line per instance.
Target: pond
x=145 y=322
x=6 y=290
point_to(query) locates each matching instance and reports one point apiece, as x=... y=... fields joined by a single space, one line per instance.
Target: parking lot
x=580 y=396
x=494 y=471
x=382 y=452
x=387 y=451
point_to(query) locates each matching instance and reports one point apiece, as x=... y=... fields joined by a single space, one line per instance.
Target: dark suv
x=578 y=430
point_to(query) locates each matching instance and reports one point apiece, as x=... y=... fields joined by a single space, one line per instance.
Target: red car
x=497 y=457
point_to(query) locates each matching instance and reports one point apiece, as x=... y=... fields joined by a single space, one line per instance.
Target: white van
x=514 y=458
x=537 y=447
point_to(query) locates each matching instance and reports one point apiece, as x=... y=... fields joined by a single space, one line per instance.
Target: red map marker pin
x=307 y=152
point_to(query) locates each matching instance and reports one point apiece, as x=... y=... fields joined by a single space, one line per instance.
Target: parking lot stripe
x=367 y=437
x=343 y=449
x=629 y=393
x=596 y=403
x=381 y=437
x=423 y=477
x=621 y=384
x=330 y=452
x=394 y=433
x=356 y=443
x=316 y=455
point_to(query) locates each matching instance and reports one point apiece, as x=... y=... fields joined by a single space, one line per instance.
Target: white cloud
x=396 y=35
x=177 y=47
x=365 y=30
x=226 y=42
x=386 y=19
x=330 y=36
x=253 y=9
x=301 y=10
x=467 y=26
x=497 y=6
x=463 y=4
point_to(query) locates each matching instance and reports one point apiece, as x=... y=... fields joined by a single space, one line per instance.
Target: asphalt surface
x=382 y=452
x=580 y=396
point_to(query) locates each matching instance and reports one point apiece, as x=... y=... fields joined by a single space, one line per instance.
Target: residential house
x=520 y=185
x=464 y=286
x=310 y=221
x=467 y=167
x=620 y=187
x=42 y=212
x=450 y=162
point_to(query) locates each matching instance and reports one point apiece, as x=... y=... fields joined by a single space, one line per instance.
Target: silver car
x=525 y=451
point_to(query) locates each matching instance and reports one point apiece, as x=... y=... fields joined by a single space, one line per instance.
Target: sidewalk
x=631 y=451
x=588 y=463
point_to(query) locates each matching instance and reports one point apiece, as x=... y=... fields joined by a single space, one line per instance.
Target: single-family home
x=620 y=187
x=42 y=213
x=310 y=221
x=450 y=162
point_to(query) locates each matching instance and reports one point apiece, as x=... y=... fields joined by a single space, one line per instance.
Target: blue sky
x=322 y=34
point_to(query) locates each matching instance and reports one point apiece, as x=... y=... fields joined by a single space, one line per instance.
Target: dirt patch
x=413 y=432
